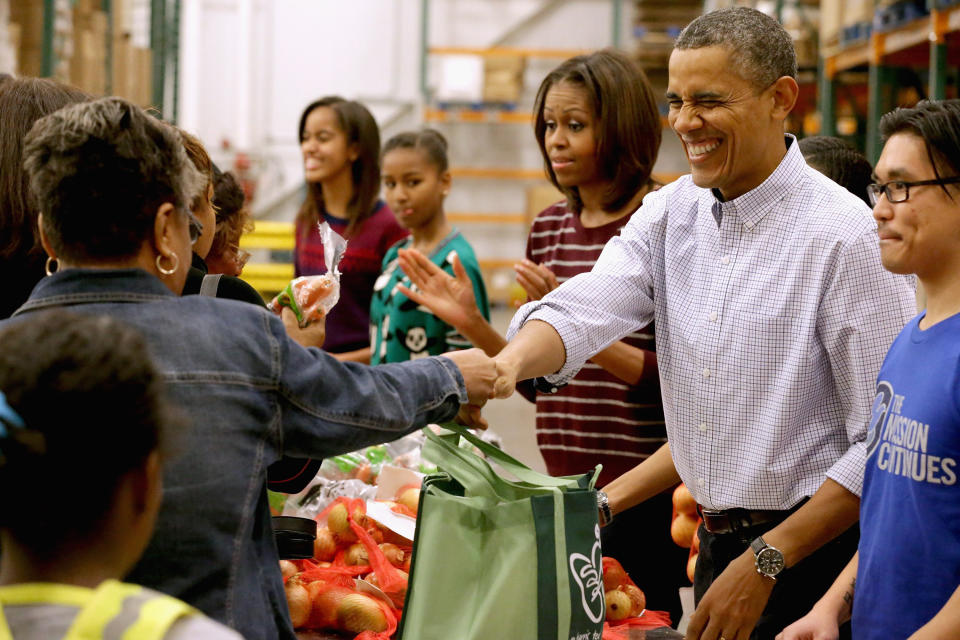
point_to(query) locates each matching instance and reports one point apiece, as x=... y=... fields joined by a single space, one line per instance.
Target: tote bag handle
x=477 y=480
x=514 y=466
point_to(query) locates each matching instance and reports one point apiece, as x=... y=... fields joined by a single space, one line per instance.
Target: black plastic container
x=294 y=536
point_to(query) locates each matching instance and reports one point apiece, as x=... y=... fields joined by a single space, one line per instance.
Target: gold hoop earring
x=52 y=265
x=171 y=270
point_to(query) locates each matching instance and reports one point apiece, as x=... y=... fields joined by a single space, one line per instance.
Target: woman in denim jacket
x=114 y=186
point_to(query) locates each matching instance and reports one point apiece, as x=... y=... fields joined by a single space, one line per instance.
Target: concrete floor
x=513 y=419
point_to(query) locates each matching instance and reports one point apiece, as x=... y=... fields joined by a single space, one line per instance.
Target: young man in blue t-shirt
x=903 y=581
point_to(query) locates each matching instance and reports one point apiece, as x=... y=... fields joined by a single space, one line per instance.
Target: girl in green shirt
x=416 y=181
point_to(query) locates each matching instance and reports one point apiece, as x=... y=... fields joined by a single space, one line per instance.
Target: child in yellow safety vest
x=84 y=427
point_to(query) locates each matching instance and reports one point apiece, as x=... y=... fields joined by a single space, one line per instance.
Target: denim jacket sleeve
x=328 y=407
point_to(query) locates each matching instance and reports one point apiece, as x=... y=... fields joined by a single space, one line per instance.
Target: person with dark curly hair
x=115 y=187
x=76 y=513
x=840 y=162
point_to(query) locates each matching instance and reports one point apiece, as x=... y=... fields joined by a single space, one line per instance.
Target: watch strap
x=758 y=545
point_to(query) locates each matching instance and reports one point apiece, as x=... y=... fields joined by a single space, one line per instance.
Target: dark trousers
x=639 y=539
x=797 y=589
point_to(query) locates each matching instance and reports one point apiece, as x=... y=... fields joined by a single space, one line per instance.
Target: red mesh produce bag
x=617 y=579
x=330 y=611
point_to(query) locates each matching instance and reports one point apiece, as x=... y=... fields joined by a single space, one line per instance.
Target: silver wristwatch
x=768 y=560
x=603 y=506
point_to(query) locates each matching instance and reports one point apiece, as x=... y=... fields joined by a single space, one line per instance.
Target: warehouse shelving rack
x=926 y=45
x=164 y=43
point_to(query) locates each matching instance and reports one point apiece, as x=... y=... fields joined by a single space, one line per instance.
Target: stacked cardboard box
x=540 y=197
x=656 y=27
x=857 y=11
x=831 y=18
x=132 y=71
x=28 y=16
x=503 y=78
x=88 y=64
x=801 y=20
x=132 y=65
x=81 y=38
x=11 y=48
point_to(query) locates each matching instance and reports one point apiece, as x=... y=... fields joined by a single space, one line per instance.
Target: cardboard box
x=831 y=16
x=142 y=90
x=30 y=60
x=122 y=81
x=13 y=33
x=503 y=78
x=29 y=15
x=855 y=11
x=460 y=78
x=539 y=198
x=121 y=18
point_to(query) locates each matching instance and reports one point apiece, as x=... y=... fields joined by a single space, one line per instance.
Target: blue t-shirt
x=910 y=512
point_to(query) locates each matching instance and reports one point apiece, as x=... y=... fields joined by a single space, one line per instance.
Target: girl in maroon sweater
x=340 y=143
x=598 y=128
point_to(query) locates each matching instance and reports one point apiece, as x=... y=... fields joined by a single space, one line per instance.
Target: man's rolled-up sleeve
x=594 y=309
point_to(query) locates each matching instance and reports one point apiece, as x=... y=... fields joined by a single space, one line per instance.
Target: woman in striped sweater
x=598 y=128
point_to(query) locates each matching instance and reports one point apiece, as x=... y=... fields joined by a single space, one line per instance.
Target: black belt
x=732 y=520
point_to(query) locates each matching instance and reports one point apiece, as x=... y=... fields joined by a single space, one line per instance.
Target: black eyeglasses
x=196 y=227
x=899 y=191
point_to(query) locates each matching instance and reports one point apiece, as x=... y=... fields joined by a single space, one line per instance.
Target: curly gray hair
x=99 y=171
x=761 y=49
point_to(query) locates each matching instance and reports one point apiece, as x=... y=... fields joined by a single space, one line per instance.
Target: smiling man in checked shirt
x=773 y=314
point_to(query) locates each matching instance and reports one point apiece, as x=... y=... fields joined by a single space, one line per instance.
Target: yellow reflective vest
x=112 y=611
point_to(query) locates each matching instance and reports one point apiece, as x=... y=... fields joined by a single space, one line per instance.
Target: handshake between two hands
x=484 y=378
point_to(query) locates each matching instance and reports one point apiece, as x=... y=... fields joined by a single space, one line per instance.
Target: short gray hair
x=760 y=48
x=99 y=170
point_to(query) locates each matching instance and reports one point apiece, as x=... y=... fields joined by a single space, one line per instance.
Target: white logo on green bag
x=587 y=574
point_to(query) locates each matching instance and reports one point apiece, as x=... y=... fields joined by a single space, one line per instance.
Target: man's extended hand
x=732 y=605
x=479 y=374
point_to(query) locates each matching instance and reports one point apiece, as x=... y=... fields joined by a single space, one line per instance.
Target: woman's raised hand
x=449 y=298
x=535 y=279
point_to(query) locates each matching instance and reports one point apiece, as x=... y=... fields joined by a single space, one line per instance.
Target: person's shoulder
x=828 y=206
x=465 y=251
x=193 y=282
x=234 y=288
x=394 y=249
x=383 y=216
x=200 y=626
x=677 y=200
x=676 y=194
x=556 y=213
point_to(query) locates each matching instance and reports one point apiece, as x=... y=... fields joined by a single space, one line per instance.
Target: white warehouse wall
x=248 y=67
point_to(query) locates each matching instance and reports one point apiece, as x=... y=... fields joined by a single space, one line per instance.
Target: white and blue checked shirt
x=771 y=328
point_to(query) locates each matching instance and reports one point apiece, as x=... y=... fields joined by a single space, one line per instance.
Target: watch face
x=770 y=561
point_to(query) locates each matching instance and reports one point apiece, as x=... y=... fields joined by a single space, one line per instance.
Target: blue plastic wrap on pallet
x=899 y=14
x=855 y=33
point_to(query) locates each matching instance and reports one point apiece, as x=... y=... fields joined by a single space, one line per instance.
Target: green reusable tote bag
x=507 y=559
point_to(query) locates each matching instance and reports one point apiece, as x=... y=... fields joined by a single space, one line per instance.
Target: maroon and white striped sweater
x=596 y=418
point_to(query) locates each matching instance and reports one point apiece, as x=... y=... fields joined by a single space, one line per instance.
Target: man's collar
x=752 y=206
